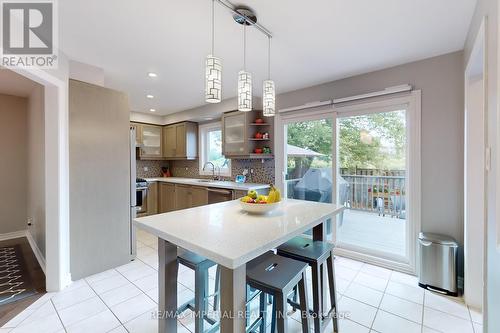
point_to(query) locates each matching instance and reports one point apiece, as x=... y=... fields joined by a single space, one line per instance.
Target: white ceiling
x=314 y=42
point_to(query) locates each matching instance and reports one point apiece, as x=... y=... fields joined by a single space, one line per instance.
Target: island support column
x=233 y=299
x=167 y=280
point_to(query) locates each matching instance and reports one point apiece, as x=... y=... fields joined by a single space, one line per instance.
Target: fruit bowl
x=256 y=208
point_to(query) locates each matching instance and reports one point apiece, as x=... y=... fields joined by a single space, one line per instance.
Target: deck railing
x=381 y=194
x=384 y=195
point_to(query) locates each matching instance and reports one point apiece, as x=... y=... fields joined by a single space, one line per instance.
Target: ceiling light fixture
x=213 y=85
x=268 y=89
x=151 y=74
x=152 y=110
x=244 y=79
x=150 y=96
x=213 y=70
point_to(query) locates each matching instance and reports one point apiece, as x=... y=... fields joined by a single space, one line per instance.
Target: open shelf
x=262 y=124
x=261 y=155
x=254 y=139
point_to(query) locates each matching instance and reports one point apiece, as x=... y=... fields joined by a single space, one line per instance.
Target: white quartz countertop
x=225 y=234
x=205 y=183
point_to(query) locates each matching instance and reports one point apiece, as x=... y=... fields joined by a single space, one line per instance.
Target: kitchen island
x=230 y=237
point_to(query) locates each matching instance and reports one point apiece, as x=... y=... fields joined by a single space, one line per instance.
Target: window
x=211 y=150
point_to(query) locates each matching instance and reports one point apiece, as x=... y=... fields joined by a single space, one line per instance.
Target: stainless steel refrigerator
x=101 y=177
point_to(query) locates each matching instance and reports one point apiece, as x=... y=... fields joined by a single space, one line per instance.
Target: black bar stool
x=316 y=254
x=278 y=276
x=199 y=304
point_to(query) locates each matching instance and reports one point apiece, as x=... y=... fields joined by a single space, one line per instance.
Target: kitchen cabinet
x=187 y=196
x=199 y=196
x=247 y=135
x=151 y=136
x=234 y=134
x=138 y=133
x=166 y=197
x=180 y=141
x=182 y=197
x=152 y=198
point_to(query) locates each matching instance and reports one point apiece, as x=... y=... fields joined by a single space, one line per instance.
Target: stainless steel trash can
x=438 y=263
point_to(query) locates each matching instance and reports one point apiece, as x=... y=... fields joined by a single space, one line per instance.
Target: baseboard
x=38 y=254
x=12 y=235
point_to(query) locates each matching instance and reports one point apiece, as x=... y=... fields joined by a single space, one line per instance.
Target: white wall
x=474 y=194
x=36 y=167
x=13 y=161
x=490 y=9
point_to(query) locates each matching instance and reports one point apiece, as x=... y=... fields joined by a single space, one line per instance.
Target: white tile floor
x=373 y=299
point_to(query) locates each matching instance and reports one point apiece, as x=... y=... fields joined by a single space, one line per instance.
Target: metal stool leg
x=281 y=320
x=317 y=299
x=304 y=306
x=263 y=313
x=200 y=281
x=333 y=294
x=273 y=319
x=217 y=288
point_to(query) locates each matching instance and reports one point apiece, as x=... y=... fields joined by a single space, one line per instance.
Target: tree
x=373 y=141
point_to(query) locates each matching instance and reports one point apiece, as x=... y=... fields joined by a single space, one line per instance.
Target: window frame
x=203 y=131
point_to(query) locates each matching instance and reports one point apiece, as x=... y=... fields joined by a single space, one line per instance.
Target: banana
x=274 y=195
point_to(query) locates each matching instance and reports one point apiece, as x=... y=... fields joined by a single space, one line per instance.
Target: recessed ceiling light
x=151 y=74
x=149 y=96
x=152 y=110
x=209 y=118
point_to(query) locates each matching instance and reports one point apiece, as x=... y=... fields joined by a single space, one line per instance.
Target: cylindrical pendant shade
x=213 y=80
x=244 y=91
x=268 y=99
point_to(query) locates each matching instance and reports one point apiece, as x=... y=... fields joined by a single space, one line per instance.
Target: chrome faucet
x=213 y=169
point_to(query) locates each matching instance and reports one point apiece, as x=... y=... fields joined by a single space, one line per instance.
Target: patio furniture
x=398 y=206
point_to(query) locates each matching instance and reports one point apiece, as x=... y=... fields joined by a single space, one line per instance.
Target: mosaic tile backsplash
x=154 y=168
x=263 y=172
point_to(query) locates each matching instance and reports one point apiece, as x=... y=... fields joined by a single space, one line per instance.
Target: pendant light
x=268 y=89
x=244 y=80
x=213 y=70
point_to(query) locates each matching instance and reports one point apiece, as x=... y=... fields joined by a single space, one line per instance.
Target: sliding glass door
x=372 y=173
x=365 y=157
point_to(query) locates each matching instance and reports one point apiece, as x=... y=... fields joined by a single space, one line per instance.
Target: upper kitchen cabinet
x=180 y=141
x=151 y=138
x=247 y=135
x=138 y=133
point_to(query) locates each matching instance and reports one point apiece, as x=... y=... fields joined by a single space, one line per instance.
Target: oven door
x=142 y=200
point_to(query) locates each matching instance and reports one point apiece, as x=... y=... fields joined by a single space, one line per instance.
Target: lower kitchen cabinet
x=199 y=196
x=182 y=197
x=166 y=197
x=152 y=198
x=190 y=196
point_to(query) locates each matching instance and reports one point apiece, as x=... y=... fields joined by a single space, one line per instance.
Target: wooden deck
x=368 y=230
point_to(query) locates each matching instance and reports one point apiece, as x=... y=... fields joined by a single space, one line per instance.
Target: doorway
x=475 y=173
x=372 y=182
x=316 y=161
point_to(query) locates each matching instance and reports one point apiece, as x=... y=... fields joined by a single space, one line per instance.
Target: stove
x=141 y=183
